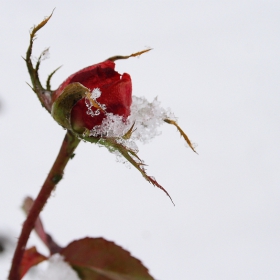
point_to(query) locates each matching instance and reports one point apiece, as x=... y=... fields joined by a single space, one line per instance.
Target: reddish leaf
x=30 y=258
x=99 y=259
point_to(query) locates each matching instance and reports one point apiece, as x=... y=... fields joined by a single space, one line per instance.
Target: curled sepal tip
x=62 y=106
x=48 y=83
x=117 y=57
x=182 y=133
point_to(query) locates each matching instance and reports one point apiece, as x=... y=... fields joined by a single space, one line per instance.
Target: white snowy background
x=216 y=64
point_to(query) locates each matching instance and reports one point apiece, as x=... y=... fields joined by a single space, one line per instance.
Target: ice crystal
x=96 y=92
x=91 y=101
x=121 y=159
x=111 y=126
x=147 y=116
x=142 y=125
x=45 y=54
x=144 y=120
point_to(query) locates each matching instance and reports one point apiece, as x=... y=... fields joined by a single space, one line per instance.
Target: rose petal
x=116 y=91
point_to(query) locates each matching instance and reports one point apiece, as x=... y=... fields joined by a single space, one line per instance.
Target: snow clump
x=58 y=269
x=144 y=120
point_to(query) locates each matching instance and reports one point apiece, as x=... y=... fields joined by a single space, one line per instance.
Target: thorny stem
x=67 y=149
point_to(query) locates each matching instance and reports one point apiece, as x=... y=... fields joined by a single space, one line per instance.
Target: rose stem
x=67 y=149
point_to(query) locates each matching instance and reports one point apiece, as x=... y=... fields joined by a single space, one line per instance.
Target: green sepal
x=62 y=107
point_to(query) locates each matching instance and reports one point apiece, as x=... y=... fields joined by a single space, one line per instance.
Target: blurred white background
x=216 y=64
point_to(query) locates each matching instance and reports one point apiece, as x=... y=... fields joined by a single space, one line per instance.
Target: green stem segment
x=67 y=149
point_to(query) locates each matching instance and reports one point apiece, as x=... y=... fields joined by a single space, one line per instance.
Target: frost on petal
x=58 y=269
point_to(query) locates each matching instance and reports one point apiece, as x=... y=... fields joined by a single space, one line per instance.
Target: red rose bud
x=96 y=104
x=107 y=92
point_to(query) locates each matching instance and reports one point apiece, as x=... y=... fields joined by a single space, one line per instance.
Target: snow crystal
x=193 y=144
x=58 y=269
x=130 y=144
x=147 y=118
x=45 y=54
x=121 y=159
x=89 y=106
x=96 y=92
x=144 y=120
x=90 y=102
x=111 y=126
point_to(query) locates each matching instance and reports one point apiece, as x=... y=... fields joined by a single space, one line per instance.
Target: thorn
x=129 y=132
x=31 y=87
x=48 y=82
